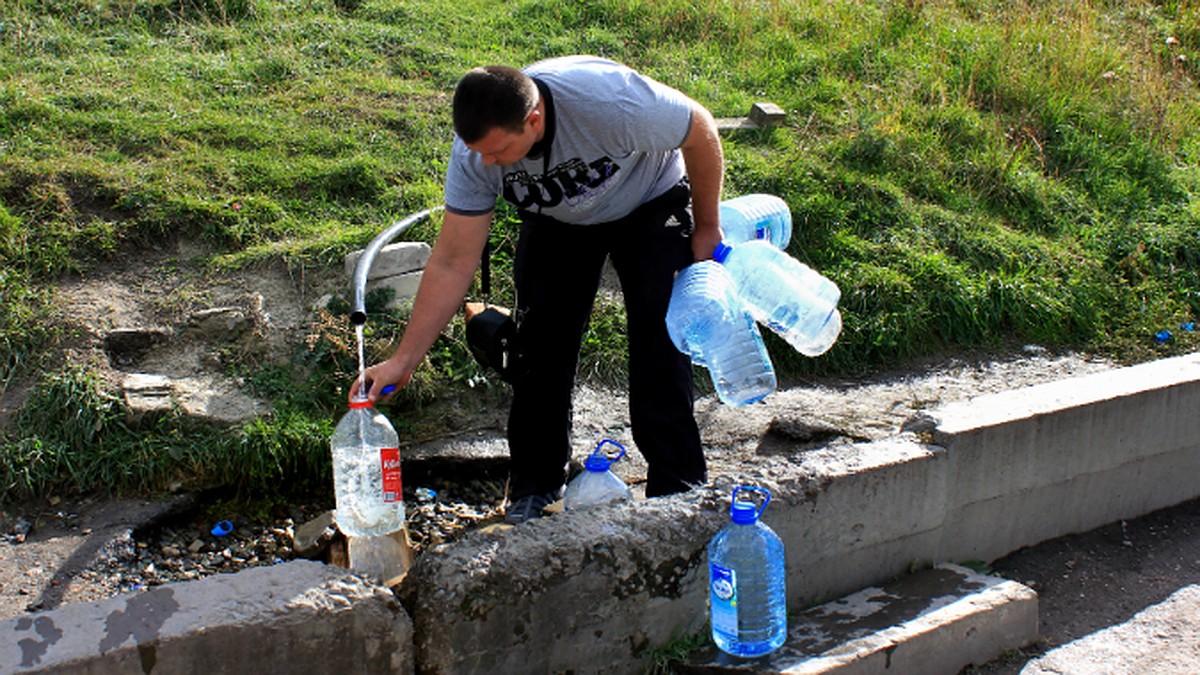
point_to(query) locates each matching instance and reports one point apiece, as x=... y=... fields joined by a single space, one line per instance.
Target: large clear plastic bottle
x=366 y=473
x=756 y=216
x=784 y=294
x=747 y=580
x=707 y=321
x=597 y=484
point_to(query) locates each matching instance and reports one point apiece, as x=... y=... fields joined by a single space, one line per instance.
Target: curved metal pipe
x=359 y=315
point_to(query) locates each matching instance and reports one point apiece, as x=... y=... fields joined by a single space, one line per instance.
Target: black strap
x=485 y=271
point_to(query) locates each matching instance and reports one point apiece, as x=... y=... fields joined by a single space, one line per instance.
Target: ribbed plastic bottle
x=597 y=484
x=756 y=216
x=366 y=473
x=784 y=294
x=707 y=321
x=747 y=580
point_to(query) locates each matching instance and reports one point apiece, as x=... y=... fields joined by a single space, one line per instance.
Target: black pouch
x=492 y=339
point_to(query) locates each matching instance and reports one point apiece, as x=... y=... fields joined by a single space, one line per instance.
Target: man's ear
x=536 y=118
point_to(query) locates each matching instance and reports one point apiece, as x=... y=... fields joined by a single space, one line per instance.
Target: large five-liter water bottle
x=707 y=321
x=784 y=294
x=756 y=216
x=747 y=580
x=366 y=473
x=597 y=484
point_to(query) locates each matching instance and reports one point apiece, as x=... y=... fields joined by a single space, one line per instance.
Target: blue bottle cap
x=222 y=528
x=597 y=463
x=721 y=251
x=743 y=513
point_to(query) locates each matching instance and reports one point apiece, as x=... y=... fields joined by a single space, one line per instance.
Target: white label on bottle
x=723 y=594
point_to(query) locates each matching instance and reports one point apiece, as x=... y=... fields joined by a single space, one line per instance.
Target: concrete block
x=937 y=621
x=1012 y=441
x=1044 y=461
x=866 y=512
x=989 y=529
x=404 y=287
x=585 y=591
x=287 y=618
x=391 y=260
x=767 y=114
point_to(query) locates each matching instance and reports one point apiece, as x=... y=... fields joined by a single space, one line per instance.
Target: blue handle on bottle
x=744 y=512
x=600 y=461
x=619 y=455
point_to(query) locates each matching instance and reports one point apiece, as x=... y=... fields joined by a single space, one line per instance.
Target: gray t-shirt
x=615 y=141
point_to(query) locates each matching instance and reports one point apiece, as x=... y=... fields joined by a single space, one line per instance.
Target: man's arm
x=706 y=171
x=444 y=284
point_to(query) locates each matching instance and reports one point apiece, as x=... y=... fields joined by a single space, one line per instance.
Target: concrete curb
x=290 y=618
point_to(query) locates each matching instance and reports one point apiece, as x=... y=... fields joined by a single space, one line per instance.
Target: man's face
x=505 y=147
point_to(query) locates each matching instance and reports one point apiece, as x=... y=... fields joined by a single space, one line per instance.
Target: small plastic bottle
x=707 y=321
x=756 y=216
x=597 y=484
x=366 y=473
x=784 y=294
x=747 y=581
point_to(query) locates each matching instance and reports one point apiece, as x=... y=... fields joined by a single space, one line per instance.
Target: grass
x=973 y=174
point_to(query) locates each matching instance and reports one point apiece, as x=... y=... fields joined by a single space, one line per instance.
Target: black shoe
x=528 y=507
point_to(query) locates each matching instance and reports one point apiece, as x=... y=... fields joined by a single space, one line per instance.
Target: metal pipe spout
x=359 y=315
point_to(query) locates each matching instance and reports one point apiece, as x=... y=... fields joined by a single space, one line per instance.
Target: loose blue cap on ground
x=222 y=528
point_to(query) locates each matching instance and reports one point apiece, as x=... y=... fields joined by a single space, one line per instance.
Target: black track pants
x=557 y=272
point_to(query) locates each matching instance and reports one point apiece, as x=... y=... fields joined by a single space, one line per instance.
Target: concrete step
x=936 y=621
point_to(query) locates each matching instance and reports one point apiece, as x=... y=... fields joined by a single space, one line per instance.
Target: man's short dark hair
x=491 y=97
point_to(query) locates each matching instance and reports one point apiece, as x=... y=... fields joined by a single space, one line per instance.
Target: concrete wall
x=594 y=592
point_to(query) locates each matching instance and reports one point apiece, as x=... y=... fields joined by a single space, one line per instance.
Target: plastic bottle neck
x=360 y=403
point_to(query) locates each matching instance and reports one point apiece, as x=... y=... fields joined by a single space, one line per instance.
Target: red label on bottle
x=390 y=457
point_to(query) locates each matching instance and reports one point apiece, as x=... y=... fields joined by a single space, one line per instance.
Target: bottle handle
x=765 y=493
x=610 y=460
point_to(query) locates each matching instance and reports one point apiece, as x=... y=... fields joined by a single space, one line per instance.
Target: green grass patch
x=972 y=174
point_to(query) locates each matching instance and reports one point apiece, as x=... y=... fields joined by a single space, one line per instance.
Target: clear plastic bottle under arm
x=756 y=216
x=784 y=294
x=707 y=321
